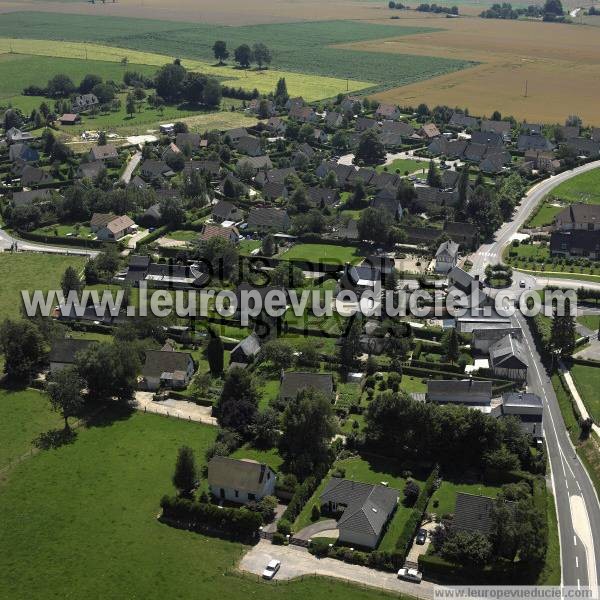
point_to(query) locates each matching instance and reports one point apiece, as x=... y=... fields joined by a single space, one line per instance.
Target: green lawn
x=75 y=230
x=83 y=518
x=246 y=246
x=183 y=235
x=25 y=415
x=587 y=381
x=324 y=253
x=30 y=271
x=445 y=495
x=590 y=321
x=583 y=188
x=268 y=457
x=413 y=384
x=544 y=215
x=402 y=165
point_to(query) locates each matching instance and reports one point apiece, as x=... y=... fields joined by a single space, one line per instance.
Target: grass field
x=25 y=415
x=403 y=165
x=544 y=215
x=70 y=519
x=312 y=52
x=325 y=253
x=587 y=381
x=590 y=321
x=30 y=271
x=268 y=457
x=445 y=495
x=582 y=188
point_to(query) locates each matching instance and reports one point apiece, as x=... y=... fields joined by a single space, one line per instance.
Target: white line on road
x=574 y=540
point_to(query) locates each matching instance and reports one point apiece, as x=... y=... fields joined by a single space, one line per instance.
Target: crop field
x=560 y=63
x=297 y=48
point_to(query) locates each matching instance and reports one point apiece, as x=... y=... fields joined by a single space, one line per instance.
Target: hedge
x=301 y=496
x=383 y=561
x=239 y=523
x=158 y=232
x=63 y=241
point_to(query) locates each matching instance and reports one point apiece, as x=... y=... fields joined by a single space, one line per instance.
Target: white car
x=271 y=569
x=410 y=575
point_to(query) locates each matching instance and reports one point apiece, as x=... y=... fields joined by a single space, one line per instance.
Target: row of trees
x=244 y=54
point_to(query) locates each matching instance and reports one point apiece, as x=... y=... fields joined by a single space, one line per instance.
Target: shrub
x=319 y=547
x=266 y=507
x=315 y=513
x=284 y=527
x=278 y=539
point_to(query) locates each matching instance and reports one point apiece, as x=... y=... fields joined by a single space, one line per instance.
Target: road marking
x=574 y=540
x=578 y=585
x=567 y=484
x=577 y=562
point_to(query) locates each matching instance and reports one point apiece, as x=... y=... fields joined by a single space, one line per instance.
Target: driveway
x=296 y=562
x=309 y=531
x=134 y=161
x=180 y=409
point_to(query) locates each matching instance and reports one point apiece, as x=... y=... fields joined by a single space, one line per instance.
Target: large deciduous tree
x=237 y=406
x=243 y=55
x=185 y=477
x=64 y=391
x=23 y=347
x=220 y=51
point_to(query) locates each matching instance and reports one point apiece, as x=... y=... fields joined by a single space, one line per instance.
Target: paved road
x=7 y=242
x=577 y=503
x=134 y=161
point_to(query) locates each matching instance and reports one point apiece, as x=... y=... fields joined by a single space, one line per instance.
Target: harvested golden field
x=560 y=63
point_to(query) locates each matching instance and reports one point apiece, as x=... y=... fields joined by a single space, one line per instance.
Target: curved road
x=577 y=504
x=7 y=241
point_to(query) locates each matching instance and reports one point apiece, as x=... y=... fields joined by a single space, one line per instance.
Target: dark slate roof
x=27 y=198
x=191 y=139
x=210 y=167
x=322 y=196
x=224 y=209
x=450 y=178
x=34 y=176
x=137 y=261
x=501 y=127
x=154 y=168
x=239 y=474
x=269 y=217
x=462 y=120
x=368 y=507
x=460 y=391
x=508 y=353
x=533 y=142
x=448 y=247
x=488 y=138
x=584 y=146
x=249 y=144
x=461 y=278
x=249 y=346
x=580 y=213
x=294 y=382
x=473 y=513
x=158 y=362
x=272 y=190
x=24 y=152
x=517 y=402
x=384 y=264
x=64 y=351
x=365 y=123
x=386 y=200
x=492 y=163
x=90 y=170
x=275 y=175
x=575 y=240
x=397 y=127
x=465 y=231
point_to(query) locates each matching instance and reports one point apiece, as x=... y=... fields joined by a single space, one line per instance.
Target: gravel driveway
x=296 y=561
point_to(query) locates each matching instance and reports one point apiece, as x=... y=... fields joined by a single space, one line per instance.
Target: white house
x=64 y=352
x=167 y=368
x=107 y=226
x=508 y=358
x=240 y=481
x=446 y=257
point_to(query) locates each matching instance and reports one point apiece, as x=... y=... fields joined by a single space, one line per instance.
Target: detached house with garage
x=292 y=383
x=107 y=226
x=166 y=368
x=240 y=481
x=446 y=257
x=362 y=510
x=64 y=352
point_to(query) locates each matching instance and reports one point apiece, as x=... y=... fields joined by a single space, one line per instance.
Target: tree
x=262 y=55
x=104 y=92
x=23 y=347
x=281 y=93
x=553 y=7
x=373 y=224
x=169 y=81
x=370 y=148
x=214 y=353
x=264 y=429
x=349 y=348
x=220 y=51
x=89 y=82
x=279 y=353
x=237 y=406
x=411 y=493
x=60 y=152
x=315 y=513
x=60 y=86
x=433 y=175
x=243 y=55
x=12 y=118
x=268 y=245
x=483 y=211
x=468 y=548
x=562 y=336
x=64 y=391
x=70 y=281
x=307 y=427
x=451 y=345
x=212 y=93
x=193 y=87
x=172 y=211
x=185 y=477
x=130 y=105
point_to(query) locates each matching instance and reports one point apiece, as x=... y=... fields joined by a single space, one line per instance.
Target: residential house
x=595 y=136
x=69 y=119
x=32 y=176
x=319 y=136
x=64 y=352
x=351 y=104
x=257 y=163
x=90 y=170
x=429 y=131
x=577 y=242
x=231 y=234
x=303 y=114
x=465 y=234
x=485 y=335
x=462 y=280
x=226 y=211
x=240 y=480
x=387 y=111
x=508 y=358
x=534 y=142
x=23 y=152
x=268 y=219
x=386 y=200
x=246 y=351
x=487 y=138
x=188 y=140
x=567 y=132
x=362 y=510
x=273 y=190
x=15 y=135
x=446 y=256
x=84 y=102
x=166 y=369
x=322 y=197
x=360 y=278
x=151 y=169
x=493 y=163
x=107 y=226
x=474 y=394
x=463 y=121
x=502 y=128
x=473 y=513
x=365 y=124
x=261 y=107
x=276 y=125
x=544 y=161
x=152 y=216
x=212 y=168
x=583 y=147
x=30 y=197
x=249 y=145
x=296 y=102
x=104 y=153
x=528 y=408
x=274 y=175
x=235 y=134
x=334 y=119
x=294 y=382
x=165 y=275
x=578 y=216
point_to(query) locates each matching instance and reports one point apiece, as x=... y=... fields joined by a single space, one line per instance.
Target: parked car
x=410 y=575
x=522 y=283
x=271 y=569
x=421 y=536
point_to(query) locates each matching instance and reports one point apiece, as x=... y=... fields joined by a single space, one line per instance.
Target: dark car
x=421 y=536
